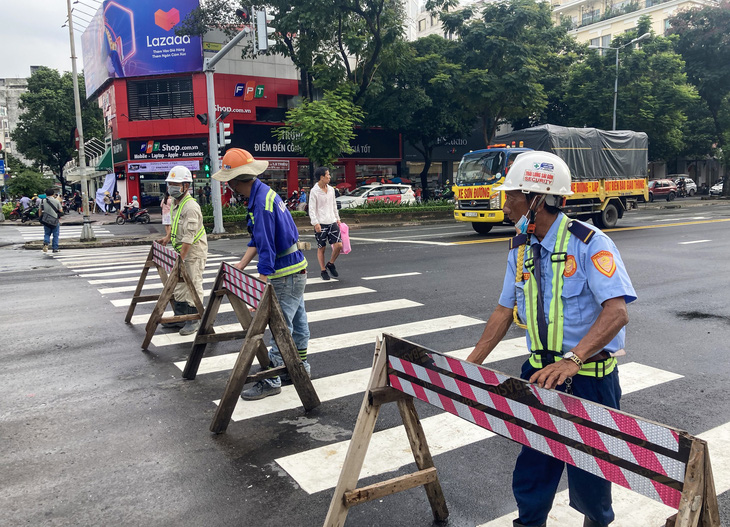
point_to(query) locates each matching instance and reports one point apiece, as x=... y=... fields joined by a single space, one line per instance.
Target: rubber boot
x=516 y=523
x=178 y=308
x=590 y=523
x=191 y=326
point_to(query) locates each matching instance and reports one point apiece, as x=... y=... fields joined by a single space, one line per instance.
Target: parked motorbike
x=16 y=212
x=142 y=216
x=30 y=214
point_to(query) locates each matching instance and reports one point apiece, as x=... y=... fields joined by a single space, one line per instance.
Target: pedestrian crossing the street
x=114 y=272
x=35 y=232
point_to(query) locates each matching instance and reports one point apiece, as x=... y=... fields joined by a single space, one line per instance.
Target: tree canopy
x=45 y=131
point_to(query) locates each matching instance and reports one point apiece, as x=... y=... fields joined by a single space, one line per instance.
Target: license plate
x=470 y=214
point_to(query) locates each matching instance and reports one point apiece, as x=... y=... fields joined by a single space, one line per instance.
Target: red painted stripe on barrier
x=517 y=433
x=435 y=379
x=560 y=451
x=456 y=367
x=591 y=437
x=501 y=404
x=465 y=389
x=574 y=406
x=420 y=392
x=408 y=368
x=543 y=419
x=647 y=459
x=489 y=377
x=448 y=404
x=480 y=419
x=628 y=425
x=612 y=473
x=668 y=495
x=395 y=383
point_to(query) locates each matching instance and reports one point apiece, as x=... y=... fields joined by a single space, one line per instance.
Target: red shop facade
x=154 y=127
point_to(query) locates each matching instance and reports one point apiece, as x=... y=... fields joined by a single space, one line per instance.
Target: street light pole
x=87 y=233
x=615 y=84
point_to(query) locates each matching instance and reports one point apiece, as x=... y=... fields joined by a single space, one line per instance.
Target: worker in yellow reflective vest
x=188 y=238
x=567 y=286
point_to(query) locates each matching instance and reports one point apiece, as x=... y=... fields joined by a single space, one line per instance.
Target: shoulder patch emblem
x=570 y=266
x=604 y=262
x=525 y=277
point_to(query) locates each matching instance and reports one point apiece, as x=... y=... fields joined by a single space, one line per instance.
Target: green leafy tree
x=322 y=130
x=653 y=94
x=45 y=131
x=415 y=97
x=329 y=41
x=27 y=183
x=503 y=53
x=703 y=43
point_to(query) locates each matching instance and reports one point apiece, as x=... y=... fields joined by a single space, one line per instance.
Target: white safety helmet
x=539 y=173
x=179 y=174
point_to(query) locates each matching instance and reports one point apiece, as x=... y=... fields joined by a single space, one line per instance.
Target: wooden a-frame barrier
x=662 y=463
x=171 y=269
x=243 y=291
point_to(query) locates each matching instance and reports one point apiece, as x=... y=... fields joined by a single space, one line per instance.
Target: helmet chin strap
x=532 y=212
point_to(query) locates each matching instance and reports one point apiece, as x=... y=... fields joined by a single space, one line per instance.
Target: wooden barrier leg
x=206 y=328
x=691 y=503
x=290 y=356
x=133 y=304
x=237 y=379
x=162 y=301
x=422 y=455
x=710 y=509
x=361 y=436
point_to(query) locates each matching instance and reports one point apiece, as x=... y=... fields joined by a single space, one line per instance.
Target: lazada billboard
x=134 y=38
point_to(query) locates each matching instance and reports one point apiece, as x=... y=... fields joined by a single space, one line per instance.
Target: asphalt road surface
x=96 y=432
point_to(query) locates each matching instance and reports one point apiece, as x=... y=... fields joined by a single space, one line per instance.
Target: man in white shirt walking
x=326 y=220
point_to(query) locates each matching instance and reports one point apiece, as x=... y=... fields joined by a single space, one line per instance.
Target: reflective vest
x=555 y=317
x=173 y=232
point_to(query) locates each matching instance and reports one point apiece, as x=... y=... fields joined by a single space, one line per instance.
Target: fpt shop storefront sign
x=153 y=149
x=161 y=166
x=260 y=141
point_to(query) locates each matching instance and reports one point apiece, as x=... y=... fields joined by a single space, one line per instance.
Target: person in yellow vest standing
x=566 y=282
x=188 y=238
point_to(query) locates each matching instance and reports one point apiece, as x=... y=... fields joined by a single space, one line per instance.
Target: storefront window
x=370 y=173
x=435 y=174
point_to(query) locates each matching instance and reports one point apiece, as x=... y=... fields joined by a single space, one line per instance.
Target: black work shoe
x=325 y=275
x=332 y=269
x=260 y=390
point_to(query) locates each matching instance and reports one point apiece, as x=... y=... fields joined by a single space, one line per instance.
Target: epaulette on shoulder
x=518 y=240
x=581 y=231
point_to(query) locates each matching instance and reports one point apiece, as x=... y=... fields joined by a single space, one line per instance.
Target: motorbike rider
x=189 y=239
x=131 y=209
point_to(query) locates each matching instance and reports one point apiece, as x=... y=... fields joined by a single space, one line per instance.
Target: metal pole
x=87 y=233
x=215 y=185
x=615 y=92
x=215 y=190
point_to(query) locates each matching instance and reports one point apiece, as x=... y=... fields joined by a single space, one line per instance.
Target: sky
x=31 y=35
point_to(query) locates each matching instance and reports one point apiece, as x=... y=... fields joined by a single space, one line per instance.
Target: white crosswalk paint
x=696 y=241
x=318 y=469
x=349 y=383
x=212 y=263
x=633 y=509
x=343 y=340
x=37 y=233
x=79 y=254
x=311 y=296
x=312 y=316
x=390 y=240
x=389 y=276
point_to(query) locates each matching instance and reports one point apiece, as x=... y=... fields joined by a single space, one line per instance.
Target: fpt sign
x=249 y=90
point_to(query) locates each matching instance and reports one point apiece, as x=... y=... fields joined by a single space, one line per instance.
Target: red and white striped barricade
x=655 y=460
x=246 y=294
x=171 y=271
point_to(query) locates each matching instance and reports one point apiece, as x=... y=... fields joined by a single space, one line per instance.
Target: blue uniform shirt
x=595 y=275
x=273 y=233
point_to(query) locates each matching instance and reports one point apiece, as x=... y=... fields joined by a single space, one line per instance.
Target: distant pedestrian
x=107 y=203
x=325 y=217
x=25 y=201
x=201 y=196
x=166 y=219
x=117 y=201
x=206 y=191
x=77 y=203
x=302 y=200
x=51 y=206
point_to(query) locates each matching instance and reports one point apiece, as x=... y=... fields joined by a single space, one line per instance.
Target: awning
x=106 y=161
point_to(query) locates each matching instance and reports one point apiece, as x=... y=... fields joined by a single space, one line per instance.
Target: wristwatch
x=572 y=356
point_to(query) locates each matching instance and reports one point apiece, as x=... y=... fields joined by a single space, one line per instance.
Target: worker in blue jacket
x=274 y=239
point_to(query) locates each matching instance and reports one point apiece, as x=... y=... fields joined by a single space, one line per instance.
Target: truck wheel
x=481 y=228
x=607 y=218
x=671 y=196
x=651 y=197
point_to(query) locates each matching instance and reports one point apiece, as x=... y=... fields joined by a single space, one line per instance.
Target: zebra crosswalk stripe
x=318 y=469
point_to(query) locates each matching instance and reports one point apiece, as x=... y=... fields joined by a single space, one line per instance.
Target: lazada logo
x=249 y=90
x=149 y=147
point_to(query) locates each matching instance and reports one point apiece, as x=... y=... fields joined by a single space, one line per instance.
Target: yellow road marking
x=621 y=229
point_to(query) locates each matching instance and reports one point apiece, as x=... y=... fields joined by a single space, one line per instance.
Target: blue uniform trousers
x=536 y=476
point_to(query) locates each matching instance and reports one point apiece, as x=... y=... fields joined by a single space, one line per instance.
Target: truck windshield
x=480 y=168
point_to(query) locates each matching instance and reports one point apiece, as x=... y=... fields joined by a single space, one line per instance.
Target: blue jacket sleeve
x=264 y=231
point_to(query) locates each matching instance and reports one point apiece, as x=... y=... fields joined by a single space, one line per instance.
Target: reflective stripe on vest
x=173 y=232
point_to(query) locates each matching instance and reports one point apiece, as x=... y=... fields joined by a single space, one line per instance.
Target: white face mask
x=175 y=192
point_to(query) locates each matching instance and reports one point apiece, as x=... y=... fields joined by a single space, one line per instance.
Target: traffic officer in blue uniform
x=274 y=238
x=566 y=283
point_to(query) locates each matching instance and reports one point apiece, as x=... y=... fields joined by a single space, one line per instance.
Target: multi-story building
x=598 y=22
x=10 y=92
